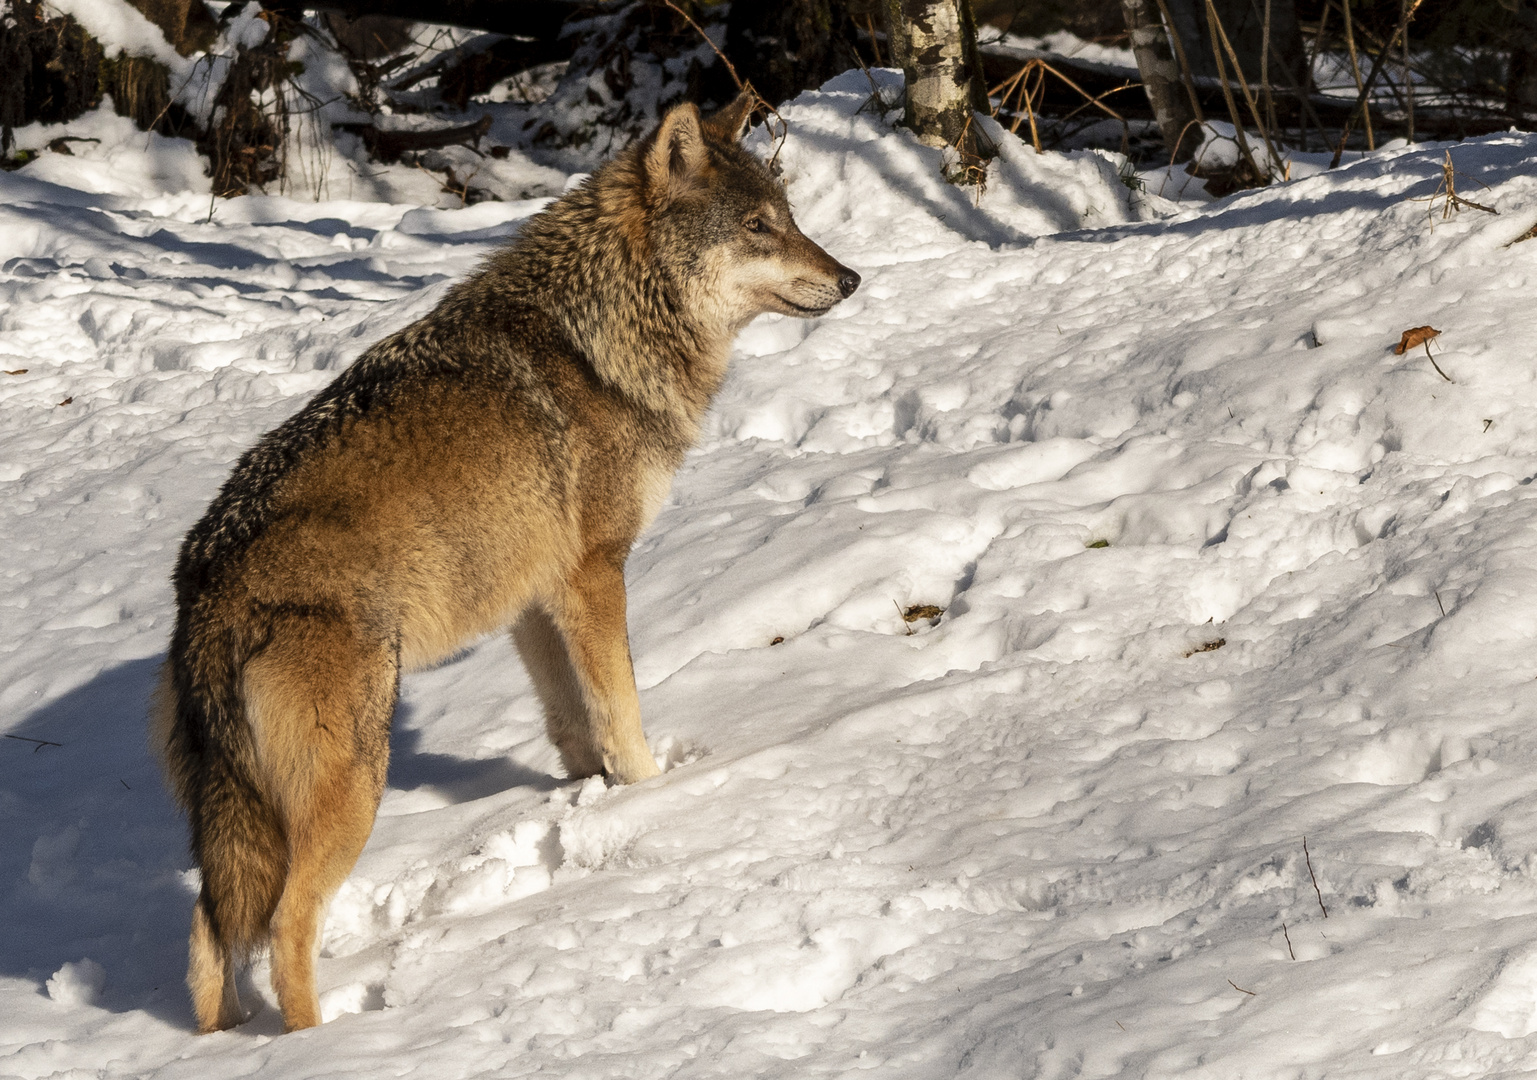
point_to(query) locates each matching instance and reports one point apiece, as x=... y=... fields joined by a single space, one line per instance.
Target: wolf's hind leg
x=322 y=695
x=591 y=617
x=560 y=692
x=211 y=974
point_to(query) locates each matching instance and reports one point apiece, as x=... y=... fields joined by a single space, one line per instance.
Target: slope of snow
x=1218 y=571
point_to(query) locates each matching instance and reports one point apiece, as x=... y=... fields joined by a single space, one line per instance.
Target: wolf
x=488 y=466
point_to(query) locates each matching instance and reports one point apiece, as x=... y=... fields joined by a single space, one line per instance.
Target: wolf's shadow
x=95 y=856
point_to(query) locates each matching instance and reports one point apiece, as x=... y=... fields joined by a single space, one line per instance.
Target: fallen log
x=388 y=145
x=520 y=18
x=1121 y=89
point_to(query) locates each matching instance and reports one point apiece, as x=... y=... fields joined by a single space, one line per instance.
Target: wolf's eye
x=753 y=224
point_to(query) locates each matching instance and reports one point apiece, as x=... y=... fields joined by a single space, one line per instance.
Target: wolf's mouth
x=802 y=309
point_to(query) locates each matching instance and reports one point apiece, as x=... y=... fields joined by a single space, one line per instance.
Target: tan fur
x=489 y=466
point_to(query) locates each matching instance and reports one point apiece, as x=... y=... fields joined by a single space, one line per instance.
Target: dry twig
x=1355 y=71
x=40 y=742
x=1371 y=79
x=1184 y=62
x=1018 y=86
x=1306 y=855
x=760 y=103
x=875 y=46
x=1243 y=84
x=1447 y=190
x=730 y=67
x=1227 y=94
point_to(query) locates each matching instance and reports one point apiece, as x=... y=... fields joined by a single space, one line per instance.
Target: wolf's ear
x=678 y=156
x=731 y=122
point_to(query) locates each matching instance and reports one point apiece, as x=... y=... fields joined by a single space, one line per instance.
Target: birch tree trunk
x=1161 y=77
x=935 y=44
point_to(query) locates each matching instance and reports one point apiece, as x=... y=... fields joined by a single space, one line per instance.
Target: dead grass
x=1446 y=191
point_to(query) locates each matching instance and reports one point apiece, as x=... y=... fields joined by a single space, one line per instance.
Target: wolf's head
x=721 y=227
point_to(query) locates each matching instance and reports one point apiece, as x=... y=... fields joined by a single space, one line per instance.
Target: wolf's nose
x=848 y=281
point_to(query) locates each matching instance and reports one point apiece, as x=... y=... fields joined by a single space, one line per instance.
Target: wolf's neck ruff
x=590 y=264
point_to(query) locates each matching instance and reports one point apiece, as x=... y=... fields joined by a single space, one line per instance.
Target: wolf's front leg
x=559 y=688
x=591 y=618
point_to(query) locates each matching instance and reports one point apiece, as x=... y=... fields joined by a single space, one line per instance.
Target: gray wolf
x=488 y=466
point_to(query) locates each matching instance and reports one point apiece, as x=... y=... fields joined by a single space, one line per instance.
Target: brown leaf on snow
x=66 y=401
x=17 y=371
x=1416 y=335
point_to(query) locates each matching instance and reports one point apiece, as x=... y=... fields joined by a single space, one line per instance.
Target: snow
x=124 y=31
x=1067 y=43
x=1218 y=569
x=109 y=155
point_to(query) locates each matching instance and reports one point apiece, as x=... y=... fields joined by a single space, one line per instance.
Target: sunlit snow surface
x=1047 y=836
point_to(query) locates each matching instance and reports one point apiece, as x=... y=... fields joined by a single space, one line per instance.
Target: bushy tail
x=238 y=841
x=240 y=848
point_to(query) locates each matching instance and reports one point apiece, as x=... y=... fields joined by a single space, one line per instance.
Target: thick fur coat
x=489 y=466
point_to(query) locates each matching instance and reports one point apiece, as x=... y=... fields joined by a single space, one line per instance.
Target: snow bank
x=123 y=30
x=1218 y=570
x=842 y=149
x=109 y=155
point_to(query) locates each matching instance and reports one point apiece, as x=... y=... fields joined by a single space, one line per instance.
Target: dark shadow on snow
x=1352 y=187
x=94 y=853
x=459 y=780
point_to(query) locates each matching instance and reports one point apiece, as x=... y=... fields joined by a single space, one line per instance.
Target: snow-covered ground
x=1218 y=571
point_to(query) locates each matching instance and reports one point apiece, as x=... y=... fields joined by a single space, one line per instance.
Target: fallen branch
x=390 y=145
x=526 y=18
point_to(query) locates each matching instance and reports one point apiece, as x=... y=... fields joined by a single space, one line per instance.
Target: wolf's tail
x=238 y=841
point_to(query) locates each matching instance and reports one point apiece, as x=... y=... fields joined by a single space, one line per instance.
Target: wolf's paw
x=629 y=762
x=635 y=770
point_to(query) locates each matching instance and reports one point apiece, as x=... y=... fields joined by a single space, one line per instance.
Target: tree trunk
x=793 y=45
x=1521 y=80
x=935 y=44
x=187 y=24
x=1245 y=25
x=1161 y=77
